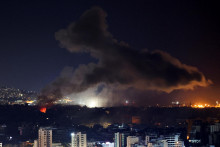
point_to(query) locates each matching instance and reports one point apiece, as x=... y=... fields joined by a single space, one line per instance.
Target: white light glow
x=90 y=98
x=92 y=103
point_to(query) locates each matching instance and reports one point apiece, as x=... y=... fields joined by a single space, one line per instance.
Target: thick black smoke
x=119 y=65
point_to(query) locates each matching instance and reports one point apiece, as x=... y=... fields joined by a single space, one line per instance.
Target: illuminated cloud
x=119 y=66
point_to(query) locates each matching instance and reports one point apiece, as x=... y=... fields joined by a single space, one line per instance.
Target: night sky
x=31 y=56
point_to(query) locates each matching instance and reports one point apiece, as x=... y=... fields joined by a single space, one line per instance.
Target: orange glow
x=136 y=120
x=202 y=106
x=43 y=109
x=199 y=106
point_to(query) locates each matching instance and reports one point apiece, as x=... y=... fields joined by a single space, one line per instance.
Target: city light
x=29 y=102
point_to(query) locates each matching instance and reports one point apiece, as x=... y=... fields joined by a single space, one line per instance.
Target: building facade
x=120 y=140
x=78 y=140
x=131 y=140
x=173 y=141
x=45 y=137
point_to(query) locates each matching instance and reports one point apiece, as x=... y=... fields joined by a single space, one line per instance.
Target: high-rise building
x=147 y=140
x=45 y=137
x=131 y=140
x=173 y=141
x=35 y=143
x=120 y=140
x=158 y=143
x=215 y=128
x=78 y=140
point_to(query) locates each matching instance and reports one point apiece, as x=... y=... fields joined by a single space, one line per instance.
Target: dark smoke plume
x=119 y=65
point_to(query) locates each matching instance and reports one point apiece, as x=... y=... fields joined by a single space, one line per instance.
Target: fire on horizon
x=201 y=105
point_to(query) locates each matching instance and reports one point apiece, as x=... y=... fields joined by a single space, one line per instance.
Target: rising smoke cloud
x=119 y=66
